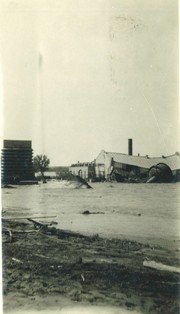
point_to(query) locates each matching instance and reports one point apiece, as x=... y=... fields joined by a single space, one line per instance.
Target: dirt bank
x=49 y=264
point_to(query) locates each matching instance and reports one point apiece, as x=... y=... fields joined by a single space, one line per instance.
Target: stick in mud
x=160 y=266
x=38 y=224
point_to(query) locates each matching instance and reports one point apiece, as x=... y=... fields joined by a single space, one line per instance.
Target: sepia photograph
x=90 y=156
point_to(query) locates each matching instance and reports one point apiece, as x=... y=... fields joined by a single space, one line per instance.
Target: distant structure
x=16 y=162
x=55 y=173
x=85 y=170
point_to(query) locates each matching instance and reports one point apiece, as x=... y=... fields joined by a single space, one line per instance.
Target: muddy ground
x=43 y=262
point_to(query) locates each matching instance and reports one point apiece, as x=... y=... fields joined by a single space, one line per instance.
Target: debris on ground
x=42 y=260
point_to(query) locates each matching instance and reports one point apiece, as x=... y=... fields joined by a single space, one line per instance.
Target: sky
x=79 y=76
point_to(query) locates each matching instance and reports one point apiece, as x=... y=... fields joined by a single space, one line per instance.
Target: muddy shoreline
x=41 y=263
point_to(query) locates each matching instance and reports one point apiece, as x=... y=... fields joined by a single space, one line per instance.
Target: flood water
x=135 y=211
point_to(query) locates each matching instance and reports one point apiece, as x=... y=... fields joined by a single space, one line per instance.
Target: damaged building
x=131 y=168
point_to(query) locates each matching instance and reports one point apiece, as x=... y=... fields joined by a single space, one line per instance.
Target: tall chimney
x=130 y=147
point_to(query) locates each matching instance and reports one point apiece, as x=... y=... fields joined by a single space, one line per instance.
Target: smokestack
x=130 y=147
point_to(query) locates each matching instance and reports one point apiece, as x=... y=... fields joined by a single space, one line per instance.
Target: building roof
x=17 y=144
x=173 y=161
x=81 y=164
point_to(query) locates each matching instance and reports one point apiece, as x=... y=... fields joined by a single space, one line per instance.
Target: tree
x=41 y=164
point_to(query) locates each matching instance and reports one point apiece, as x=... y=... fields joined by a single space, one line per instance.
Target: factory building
x=16 y=162
x=119 y=166
x=108 y=163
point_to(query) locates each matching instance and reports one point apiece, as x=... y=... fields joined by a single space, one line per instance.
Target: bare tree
x=41 y=164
